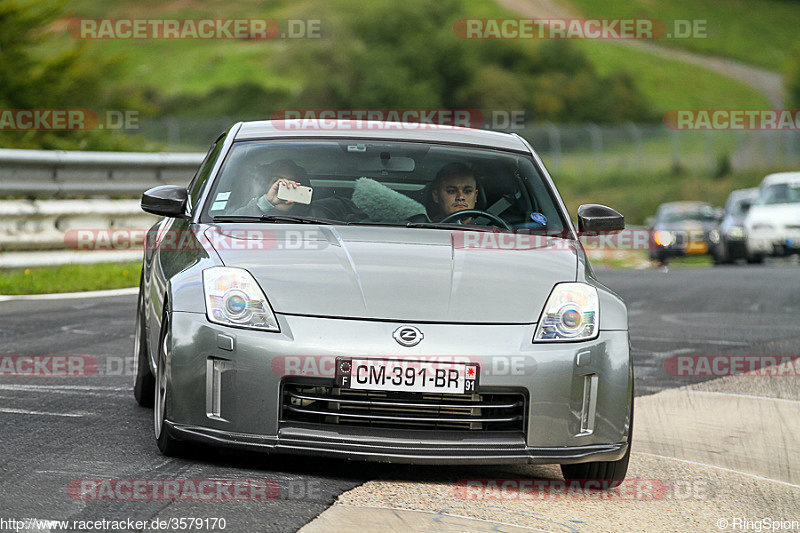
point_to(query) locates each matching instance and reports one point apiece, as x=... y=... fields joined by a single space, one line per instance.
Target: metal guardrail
x=63 y=174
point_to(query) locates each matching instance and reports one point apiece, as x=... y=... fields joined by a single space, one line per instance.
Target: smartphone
x=301 y=195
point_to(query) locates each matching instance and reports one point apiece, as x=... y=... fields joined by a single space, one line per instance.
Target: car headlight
x=233 y=298
x=663 y=238
x=713 y=236
x=736 y=232
x=571 y=313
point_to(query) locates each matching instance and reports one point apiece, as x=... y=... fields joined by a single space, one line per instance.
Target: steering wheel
x=494 y=218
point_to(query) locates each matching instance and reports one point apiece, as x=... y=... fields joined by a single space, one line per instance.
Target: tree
x=37 y=71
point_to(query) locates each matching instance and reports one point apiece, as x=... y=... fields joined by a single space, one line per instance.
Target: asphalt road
x=55 y=431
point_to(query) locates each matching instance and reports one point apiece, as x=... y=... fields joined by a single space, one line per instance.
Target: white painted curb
x=71 y=295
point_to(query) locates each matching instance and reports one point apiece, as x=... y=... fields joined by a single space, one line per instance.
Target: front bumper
x=389 y=448
x=255 y=365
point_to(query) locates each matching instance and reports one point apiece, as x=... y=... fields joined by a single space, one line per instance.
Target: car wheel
x=143 y=382
x=166 y=443
x=608 y=474
x=755 y=259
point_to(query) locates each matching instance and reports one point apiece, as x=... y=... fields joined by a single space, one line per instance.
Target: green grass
x=669 y=84
x=666 y=84
x=69 y=278
x=759 y=32
x=197 y=66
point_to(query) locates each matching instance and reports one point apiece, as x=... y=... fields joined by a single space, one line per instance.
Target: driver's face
x=456 y=193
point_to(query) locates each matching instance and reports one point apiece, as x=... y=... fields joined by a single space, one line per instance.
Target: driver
x=454 y=189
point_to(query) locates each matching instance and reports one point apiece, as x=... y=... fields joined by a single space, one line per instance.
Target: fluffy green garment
x=380 y=202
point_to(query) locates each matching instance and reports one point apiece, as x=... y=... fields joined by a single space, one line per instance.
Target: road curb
x=71 y=295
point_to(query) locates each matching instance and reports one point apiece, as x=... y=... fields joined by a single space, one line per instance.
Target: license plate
x=697 y=248
x=401 y=375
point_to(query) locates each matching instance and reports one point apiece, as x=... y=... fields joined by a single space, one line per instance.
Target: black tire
x=756 y=259
x=144 y=384
x=720 y=255
x=168 y=445
x=601 y=474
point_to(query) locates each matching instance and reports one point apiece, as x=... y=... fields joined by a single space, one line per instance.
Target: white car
x=772 y=225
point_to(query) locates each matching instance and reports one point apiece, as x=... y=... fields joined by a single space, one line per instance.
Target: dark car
x=683 y=228
x=732 y=243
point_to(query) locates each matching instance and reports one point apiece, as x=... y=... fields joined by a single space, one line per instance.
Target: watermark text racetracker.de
x=68 y=119
x=703 y=366
x=397 y=119
x=262 y=239
x=633 y=489
x=580 y=28
x=191 y=239
x=54 y=366
x=194 y=28
x=193 y=489
x=733 y=119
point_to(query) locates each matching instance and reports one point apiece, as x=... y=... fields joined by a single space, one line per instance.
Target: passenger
x=281 y=171
x=293 y=175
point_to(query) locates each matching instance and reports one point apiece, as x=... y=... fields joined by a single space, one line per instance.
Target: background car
x=221 y=319
x=683 y=228
x=732 y=236
x=772 y=225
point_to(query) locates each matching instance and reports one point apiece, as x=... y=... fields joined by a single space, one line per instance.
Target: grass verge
x=759 y=32
x=69 y=278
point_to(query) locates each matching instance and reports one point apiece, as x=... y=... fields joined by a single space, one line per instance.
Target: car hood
x=410 y=275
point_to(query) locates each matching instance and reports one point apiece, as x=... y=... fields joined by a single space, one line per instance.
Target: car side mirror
x=166 y=201
x=745 y=205
x=599 y=218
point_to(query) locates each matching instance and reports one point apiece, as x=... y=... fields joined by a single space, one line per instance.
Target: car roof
x=682 y=205
x=781 y=177
x=393 y=131
x=743 y=193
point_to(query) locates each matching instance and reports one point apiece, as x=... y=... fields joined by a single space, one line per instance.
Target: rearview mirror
x=745 y=205
x=166 y=201
x=599 y=218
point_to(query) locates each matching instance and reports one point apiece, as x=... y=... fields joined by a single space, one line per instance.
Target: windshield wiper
x=292 y=219
x=298 y=219
x=447 y=225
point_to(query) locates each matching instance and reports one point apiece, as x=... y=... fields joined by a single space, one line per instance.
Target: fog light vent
x=214 y=370
x=589 y=404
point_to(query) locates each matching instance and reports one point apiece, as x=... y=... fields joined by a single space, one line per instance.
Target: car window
x=703 y=213
x=781 y=193
x=384 y=182
x=204 y=171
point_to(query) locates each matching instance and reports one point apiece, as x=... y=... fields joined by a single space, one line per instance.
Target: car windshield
x=736 y=206
x=781 y=193
x=380 y=182
x=702 y=213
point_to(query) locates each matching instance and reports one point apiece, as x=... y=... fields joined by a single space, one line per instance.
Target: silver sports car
x=384 y=292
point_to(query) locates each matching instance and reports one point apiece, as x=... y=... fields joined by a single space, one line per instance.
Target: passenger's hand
x=272 y=194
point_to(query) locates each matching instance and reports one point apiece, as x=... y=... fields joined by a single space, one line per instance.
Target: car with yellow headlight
x=681 y=229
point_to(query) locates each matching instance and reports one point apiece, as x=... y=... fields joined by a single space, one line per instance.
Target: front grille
x=495 y=411
x=697 y=236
